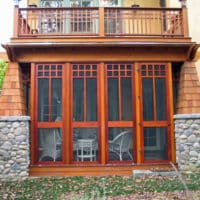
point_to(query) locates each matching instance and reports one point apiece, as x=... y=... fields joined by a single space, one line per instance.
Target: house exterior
x=106 y=86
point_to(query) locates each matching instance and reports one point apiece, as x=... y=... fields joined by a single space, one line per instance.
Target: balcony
x=93 y=22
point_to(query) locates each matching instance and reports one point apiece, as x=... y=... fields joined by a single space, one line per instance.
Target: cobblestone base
x=14 y=147
x=187 y=134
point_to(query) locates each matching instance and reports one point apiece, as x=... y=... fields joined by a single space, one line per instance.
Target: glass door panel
x=154 y=109
x=85 y=115
x=49 y=136
x=120 y=144
x=155 y=143
x=120 y=130
x=49 y=144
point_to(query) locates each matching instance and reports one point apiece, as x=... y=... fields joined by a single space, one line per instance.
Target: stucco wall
x=143 y=3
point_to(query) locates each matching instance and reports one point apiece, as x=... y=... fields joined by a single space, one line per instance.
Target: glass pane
x=126 y=92
x=160 y=99
x=91 y=99
x=120 y=144
x=50 y=144
x=147 y=90
x=43 y=100
x=155 y=143
x=78 y=88
x=85 y=144
x=113 y=102
x=56 y=99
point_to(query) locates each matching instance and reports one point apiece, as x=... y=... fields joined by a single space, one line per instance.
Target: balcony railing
x=102 y=22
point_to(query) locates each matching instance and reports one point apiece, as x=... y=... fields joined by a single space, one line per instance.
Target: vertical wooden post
x=102 y=102
x=185 y=22
x=16 y=21
x=137 y=116
x=32 y=113
x=67 y=128
x=101 y=22
x=171 y=114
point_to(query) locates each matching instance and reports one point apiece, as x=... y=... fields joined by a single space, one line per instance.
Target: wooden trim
x=138 y=115
x=185 y=22
x=171 y=116
x=103 y=145
x=32 y=113
x=16 y=20
x=66 y=114
x=97 y=170
x=101 y=22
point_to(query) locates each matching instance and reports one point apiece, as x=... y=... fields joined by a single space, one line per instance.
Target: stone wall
x=187 y=134
x=14 y=147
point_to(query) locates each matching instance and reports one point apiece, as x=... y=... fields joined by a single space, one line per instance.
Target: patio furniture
x=121 y=144
x=86 y=149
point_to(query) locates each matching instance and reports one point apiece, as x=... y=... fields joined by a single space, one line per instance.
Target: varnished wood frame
x=49 y=124
x=85 y=124
x=168 y=123
x=119 y=123
x=102 y=116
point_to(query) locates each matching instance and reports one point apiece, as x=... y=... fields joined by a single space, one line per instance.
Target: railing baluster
x=101 y=22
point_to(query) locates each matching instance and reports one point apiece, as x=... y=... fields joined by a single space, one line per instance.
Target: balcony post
x=16 y=21
x=185 y=18
x=101 y=21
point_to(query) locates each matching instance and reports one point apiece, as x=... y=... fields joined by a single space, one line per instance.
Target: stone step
x=141 y=173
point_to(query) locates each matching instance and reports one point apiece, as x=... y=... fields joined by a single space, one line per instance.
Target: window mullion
x=85 y=99
x=120 y=98
x=50 y=101
x=154 y=99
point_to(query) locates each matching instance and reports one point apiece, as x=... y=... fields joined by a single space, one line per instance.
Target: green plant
x=3 y=66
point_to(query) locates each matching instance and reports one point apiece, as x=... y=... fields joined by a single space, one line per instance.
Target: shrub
x=3 y=66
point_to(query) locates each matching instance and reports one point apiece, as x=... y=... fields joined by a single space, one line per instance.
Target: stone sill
x=14 y=118
x=187 y=116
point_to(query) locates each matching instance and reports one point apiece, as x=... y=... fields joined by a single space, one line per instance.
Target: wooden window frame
x=168 y=123
x=102 y=123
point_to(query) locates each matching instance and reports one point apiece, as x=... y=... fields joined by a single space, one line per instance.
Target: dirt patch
x=176 y=195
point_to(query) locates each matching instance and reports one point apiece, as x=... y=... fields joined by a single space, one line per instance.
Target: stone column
x=187 y=134
x=14 y=147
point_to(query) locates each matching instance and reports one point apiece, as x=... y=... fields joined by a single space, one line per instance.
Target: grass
x=52 y=188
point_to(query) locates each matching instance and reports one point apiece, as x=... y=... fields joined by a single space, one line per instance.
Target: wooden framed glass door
x=85 y=112
x=48 y=119
x=89 y=113
x=155 y=112
x=120 y=112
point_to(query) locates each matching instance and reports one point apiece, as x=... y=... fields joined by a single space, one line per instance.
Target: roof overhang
x=12 y=47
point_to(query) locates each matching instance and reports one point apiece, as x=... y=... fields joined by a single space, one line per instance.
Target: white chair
x=51 y=148
x=121 y=144
x=86 y=149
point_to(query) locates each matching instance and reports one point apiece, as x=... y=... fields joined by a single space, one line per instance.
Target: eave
x=12 y=48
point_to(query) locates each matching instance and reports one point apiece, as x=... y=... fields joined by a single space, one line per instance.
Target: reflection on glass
x=85 y=144
x=113 y=99
x=91 y=99
x=120 y=144
x=43 y=100
x=147 y=86
x=126 y=95
x=155 y=143
x=56 y=99
x=160 y=99
x=50 y=144
x=45 y=107
x=78 y=88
